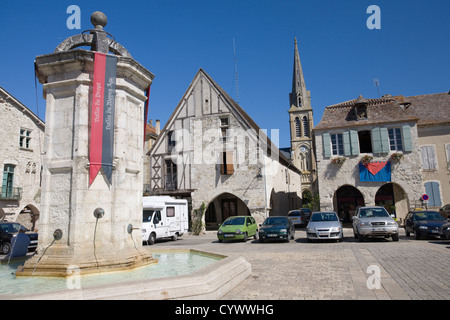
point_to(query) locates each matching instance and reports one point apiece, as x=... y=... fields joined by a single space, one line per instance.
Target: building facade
x=21 y=142
x=213 y=154
x=368 y=154
x=433 y=111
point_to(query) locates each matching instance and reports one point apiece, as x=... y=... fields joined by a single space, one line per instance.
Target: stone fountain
x=92 y=179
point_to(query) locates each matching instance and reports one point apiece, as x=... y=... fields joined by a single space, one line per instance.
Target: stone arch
x=223 y=206
x=28 y=217
x=394 y=198
x=346 y=199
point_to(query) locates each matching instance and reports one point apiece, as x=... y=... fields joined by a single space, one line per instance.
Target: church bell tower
x=301 y=125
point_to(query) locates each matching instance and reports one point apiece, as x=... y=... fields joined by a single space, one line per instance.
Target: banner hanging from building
x=102 y=116
x=378 y=171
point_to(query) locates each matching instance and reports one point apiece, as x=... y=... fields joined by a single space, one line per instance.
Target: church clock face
x=303 y=149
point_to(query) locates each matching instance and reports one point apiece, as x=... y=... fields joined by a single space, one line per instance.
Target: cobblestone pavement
x=409 y=269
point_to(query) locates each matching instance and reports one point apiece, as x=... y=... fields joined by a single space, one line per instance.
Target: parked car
x=299 y=217
x=276 y=228
x=10 y=229
x=423 y=223
x=445 y=211
x=444 y=231
x=374 y=222
x=324 y=225
x=238 y=228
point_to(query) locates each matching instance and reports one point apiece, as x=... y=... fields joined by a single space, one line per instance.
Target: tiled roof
x=379 y=111
x=430 y=108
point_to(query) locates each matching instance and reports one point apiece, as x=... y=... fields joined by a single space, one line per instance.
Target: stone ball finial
x=99 y=19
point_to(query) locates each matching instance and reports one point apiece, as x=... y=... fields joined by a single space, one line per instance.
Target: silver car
x=374 y=222
x=324 y=226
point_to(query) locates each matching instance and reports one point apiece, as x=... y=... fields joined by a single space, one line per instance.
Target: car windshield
x=428 y=216
x=324 y=216
x=148 y=215
x=294 y=213
x=373 y=212
x=274 y=221
x=11 y=227
x=234 y=221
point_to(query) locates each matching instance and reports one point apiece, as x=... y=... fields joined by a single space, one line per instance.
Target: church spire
x=299 y=96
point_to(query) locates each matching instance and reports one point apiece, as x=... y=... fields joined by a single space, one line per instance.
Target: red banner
x=102 y=116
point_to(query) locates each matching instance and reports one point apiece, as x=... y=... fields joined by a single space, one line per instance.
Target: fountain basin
x=210 y=282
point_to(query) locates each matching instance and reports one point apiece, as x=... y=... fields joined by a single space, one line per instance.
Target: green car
x=238 y=228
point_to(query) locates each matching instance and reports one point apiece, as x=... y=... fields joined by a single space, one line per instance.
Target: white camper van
x=164 y=217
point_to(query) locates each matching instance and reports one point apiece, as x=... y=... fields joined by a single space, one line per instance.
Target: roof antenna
x=236 y=72
x=377 y=84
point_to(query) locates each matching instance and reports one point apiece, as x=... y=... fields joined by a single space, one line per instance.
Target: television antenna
x=377 y=84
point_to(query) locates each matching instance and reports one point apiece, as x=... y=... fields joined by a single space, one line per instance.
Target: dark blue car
x=423 y=223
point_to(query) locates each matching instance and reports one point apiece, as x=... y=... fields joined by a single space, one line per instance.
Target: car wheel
x=361 y=238
x=395 y=237
x=416 y=234
x=6 y=248
x=245 y=237
x=151 y=239
x=355 y=234
x=175 y=237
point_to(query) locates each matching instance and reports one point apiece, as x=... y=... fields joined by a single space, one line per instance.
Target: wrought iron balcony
x=9 y=193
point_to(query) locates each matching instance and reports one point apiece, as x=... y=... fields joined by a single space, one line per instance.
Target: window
x=428 y=157
x=227 y=165
x=432 y=190
x=8 y=179
x=170 y=141
x=170 y=212
x=395 y=139
x=25 y=138
x=297 y=128
x=337 y=144
x=365 y=142
x=171 y=175
x=305 y=126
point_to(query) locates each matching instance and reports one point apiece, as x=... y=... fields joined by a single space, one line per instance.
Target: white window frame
x=395 y=142
x=337 y=147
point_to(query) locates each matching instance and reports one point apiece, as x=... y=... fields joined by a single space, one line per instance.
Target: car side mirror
x=354 y=217
x=392 y=216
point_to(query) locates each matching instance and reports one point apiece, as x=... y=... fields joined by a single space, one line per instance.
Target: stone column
x=69 y=232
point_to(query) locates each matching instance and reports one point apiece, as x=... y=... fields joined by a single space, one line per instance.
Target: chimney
x=158 y=127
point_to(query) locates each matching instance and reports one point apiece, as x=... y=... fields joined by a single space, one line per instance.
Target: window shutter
x=376 y=140
x=347 y=146
x=384 y=140
x=354 y=142
x=407 y=141
x=432 y=190
x=326 y=140
x=229 y=163
x=447 y=149
x=428 y=157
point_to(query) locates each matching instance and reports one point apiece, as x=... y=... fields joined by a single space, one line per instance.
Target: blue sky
x=340 y=56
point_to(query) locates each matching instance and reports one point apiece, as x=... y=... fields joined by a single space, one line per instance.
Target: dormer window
x=361 y=108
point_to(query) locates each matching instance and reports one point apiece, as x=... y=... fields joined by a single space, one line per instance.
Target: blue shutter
x=354 y=142
x=326 y=140
x=384 y=140
x=347 y=146
x=432 y=190
x=376 y=140
x=407 y=141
